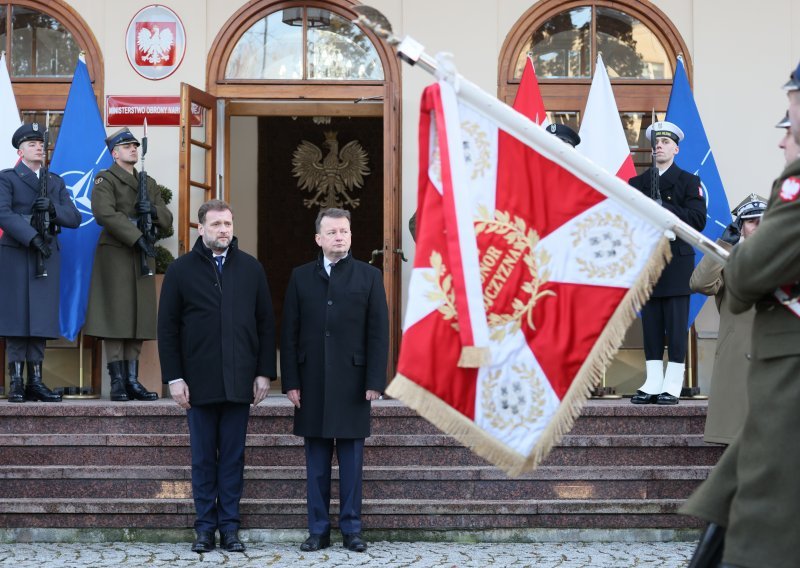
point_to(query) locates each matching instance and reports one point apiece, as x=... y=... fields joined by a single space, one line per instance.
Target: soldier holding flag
x=29 y=311
x=122 y=301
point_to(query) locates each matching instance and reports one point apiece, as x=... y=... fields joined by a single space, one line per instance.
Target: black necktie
x=219 y=260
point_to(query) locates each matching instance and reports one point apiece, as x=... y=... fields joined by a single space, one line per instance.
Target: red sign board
x=159 y=111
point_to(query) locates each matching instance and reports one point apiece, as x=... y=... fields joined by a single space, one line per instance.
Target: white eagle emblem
x=790 y=189
x=155 y=47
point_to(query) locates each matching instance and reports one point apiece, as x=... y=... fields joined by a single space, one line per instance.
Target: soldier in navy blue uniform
x=667 y=311
x=29 y=310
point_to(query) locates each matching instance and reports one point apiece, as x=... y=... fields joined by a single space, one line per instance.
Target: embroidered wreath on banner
x=611 y=249
x=477 y=152
x=520 y=238
x=511 y=400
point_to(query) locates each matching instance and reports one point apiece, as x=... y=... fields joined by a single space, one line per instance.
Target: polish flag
x=524 y=282
x=529 y=98
x=602 y=136
x=9 y=119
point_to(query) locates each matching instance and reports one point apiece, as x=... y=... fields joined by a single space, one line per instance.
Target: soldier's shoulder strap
x=103 y=175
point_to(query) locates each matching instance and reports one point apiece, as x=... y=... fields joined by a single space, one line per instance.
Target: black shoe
x=316 y=542
x=666 y=398
x=353 y=543
x=230 y=541
x=135 y=389
x=642 y=397
x=35 y=389
x=204 y=542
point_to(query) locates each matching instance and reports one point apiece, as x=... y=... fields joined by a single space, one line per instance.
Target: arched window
x=639 y=46
x=304 y=43
x=42 y=41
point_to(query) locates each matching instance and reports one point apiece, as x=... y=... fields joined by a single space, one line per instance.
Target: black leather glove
x=42 y=204
x=146 y=246
x=38 y=243
x=731 y=234
x=153 y=212
x=143 y=208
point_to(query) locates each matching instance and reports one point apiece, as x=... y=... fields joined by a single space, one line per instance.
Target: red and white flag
x=511 y=323
x=529 y=98
x=9 y=119
x=602 y=136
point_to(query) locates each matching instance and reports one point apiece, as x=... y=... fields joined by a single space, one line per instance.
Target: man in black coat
x=29 y=308
x=667 y=311
x=334 y=349
x=216 y=341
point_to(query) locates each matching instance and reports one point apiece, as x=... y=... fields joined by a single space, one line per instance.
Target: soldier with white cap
x=667 y=311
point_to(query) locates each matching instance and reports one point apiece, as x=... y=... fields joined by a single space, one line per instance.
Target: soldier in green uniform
x=752 y=497
x=122 y=302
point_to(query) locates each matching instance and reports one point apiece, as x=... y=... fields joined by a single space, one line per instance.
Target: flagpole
x=531 y=134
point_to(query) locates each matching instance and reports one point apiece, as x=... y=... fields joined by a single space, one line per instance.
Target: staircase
x=98 y=464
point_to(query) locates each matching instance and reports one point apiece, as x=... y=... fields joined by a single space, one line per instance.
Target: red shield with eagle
x=155 y=43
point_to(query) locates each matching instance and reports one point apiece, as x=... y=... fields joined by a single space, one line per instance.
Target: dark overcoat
x=682 y=194
x=216 y=333
x=753 y=491
x=30 y=305
x=727 y=404
x=334 y=346
x=122 y=302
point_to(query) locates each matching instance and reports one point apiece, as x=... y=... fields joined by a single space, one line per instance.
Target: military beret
x=121 y=136
x=565 y=133
x=26 y=132
x=665 y=129
x=794 y=80
x=784 y=122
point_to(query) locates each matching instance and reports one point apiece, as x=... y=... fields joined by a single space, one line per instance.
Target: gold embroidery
x=512 y=399
x=610 y=242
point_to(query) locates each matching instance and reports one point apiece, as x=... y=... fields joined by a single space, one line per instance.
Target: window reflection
x=630 y=50
x=340 y=50
x=270 y=49
x=336 y=49
x=40 y=45
x=569 y=118
x=561 y=47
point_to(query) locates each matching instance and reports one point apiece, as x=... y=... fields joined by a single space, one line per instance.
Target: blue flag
x=79 y=155
x=695 y=156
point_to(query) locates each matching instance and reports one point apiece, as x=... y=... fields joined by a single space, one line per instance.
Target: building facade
x=282 y=87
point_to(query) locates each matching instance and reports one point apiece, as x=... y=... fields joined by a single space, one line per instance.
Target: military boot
x=135 y=388
x=16 y=393
x=116 y=370
x=35 y=389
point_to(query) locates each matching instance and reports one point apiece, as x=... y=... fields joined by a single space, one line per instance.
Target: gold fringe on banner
x=474 y=357
x=455 y=424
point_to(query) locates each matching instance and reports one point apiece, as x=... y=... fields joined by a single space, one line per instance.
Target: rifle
x=655 y=192
x=145 y=220
x=40 y=220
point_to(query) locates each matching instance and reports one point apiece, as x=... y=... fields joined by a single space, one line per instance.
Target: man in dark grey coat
x=216 y=340
x=29 y=310
x=334 y=348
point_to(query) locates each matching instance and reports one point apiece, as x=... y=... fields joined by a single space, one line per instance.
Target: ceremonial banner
x=80 y=153
x=695 y=156
x=602 y=136
x=541 y=289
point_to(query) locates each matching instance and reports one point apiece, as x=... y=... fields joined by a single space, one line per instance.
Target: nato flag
x=79 y=154
x=695 y=156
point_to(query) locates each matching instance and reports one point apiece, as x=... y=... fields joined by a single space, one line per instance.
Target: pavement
x=379 y=554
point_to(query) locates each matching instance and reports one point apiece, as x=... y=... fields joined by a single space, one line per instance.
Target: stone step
x=380 y=514
x=395 y=450
x=389 y=417
x=442 y=483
